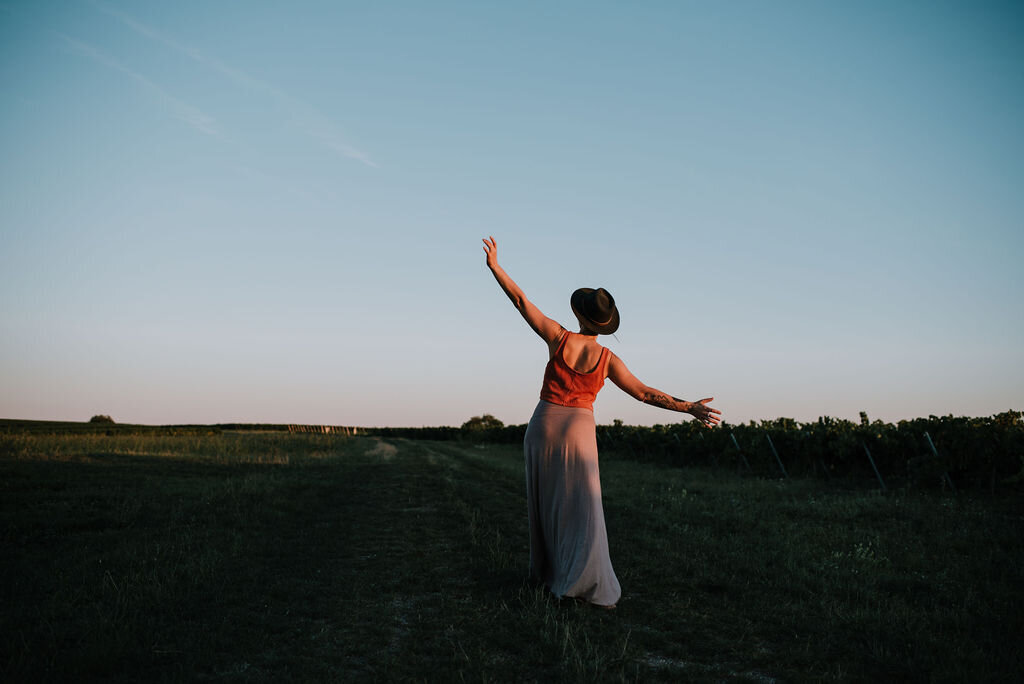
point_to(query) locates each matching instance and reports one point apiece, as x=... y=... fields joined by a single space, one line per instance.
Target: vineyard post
x=733 y=435
x=873 y=466
x=945 y=473
x=777 y=459
x=824 y=468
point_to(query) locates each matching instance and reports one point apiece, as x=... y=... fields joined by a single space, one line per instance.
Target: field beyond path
x=275 y=557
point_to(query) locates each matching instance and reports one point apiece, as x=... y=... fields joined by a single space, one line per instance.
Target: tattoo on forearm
x=662 y=400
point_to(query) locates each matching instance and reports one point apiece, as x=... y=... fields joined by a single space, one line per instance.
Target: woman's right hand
x=491 y=247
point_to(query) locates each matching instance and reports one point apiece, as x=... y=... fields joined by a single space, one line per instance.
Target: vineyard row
x=938 y=451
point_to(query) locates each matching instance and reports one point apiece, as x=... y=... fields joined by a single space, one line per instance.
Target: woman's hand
x=705 y=414
x=491 y=247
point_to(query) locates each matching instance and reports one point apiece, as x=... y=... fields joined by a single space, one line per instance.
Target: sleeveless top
x=566 y=386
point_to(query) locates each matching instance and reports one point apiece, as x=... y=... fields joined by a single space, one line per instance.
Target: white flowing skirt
x=568 y=540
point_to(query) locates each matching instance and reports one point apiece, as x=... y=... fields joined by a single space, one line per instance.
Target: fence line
x=323 y=429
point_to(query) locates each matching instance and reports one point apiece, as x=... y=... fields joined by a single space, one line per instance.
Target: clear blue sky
x=261 y=211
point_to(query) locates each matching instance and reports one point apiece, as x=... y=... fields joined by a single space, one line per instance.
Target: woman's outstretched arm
x=620 y=375
x=541 y=324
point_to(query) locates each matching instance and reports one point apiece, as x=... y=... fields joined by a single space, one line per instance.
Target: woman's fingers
x=702 y=402
x=706 y=414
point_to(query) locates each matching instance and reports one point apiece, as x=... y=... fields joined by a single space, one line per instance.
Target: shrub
x=102 y=419
x=484 y=422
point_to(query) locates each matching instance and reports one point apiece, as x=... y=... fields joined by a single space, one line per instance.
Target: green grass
x=274 y=557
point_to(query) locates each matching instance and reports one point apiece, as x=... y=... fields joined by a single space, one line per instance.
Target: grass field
x=273 y=557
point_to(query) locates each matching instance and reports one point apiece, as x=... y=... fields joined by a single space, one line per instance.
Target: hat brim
x=576 y=302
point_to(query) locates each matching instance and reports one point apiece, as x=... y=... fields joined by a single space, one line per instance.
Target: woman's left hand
x=705 y=414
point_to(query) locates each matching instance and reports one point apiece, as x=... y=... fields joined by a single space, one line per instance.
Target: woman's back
x=582 y=353
x=575 y=384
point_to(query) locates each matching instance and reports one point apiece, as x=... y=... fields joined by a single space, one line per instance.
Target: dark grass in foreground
x=275 y=558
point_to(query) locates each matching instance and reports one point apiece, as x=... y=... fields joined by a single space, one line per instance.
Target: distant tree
x=484 y=422
x=102 y=419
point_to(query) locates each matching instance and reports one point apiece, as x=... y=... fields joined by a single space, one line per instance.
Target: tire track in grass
x=430 y=549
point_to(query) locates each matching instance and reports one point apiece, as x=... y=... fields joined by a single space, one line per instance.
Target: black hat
x=596 y=308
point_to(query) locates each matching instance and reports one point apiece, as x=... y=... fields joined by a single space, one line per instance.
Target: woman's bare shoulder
x=557 y=340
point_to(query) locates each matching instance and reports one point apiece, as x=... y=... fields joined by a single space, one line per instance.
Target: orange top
x=566 y=386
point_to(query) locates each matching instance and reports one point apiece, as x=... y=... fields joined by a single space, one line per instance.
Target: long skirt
x=568 y=540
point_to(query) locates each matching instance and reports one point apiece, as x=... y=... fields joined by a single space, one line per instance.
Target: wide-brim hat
x=596 y=308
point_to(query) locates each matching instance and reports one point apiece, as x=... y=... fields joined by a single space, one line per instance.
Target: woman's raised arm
x=628 y=383
x=547 y=328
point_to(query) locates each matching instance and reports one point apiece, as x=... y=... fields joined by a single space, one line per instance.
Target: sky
x=272 y=212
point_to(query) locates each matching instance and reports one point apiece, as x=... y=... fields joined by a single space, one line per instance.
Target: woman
x=568 y=541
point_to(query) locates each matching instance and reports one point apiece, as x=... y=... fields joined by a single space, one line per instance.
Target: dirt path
x=384 y=450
